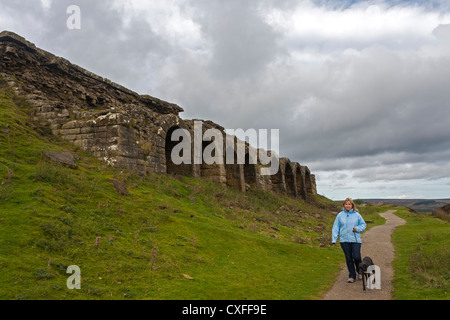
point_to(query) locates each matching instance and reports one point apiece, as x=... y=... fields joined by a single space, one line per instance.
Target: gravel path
x=376 y=243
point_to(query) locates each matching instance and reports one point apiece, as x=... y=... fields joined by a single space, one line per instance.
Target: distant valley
x=419 y=205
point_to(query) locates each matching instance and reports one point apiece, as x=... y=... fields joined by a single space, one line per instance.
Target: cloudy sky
x=360 y=90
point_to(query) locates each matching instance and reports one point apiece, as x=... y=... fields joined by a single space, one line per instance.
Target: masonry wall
x=122 y=128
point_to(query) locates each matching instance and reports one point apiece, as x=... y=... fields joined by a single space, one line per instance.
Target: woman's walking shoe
x=350 y=280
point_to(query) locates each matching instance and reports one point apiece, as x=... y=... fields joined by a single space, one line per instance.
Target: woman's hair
x=351 y=201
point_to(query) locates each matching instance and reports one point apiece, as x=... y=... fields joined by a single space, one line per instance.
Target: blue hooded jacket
x=344 y=224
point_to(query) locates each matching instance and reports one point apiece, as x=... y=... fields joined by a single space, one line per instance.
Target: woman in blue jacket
x=348 y=227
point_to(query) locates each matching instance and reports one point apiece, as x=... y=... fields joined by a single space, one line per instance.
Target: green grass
x=170 y=238
x=422 y=263
x=371 y=215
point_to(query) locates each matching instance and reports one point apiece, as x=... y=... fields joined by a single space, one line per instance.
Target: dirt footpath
x=376 y=243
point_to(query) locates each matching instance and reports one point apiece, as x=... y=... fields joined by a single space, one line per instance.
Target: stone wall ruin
x=122 y=128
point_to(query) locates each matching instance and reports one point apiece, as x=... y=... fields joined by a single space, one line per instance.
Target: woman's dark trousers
x=352 y=251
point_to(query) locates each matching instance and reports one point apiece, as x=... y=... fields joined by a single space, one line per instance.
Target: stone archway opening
x=184 y=169
x=250 y=172
x=290 y=181
x=300 y=179
x=233 y=172
x=277 y=181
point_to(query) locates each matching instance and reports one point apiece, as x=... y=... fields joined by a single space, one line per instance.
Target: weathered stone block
x=72 y=125
x=65 y=158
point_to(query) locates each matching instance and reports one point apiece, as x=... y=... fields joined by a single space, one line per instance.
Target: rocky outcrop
x=65 y=158
x=122 y=128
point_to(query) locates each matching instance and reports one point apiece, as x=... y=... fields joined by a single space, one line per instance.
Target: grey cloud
x=243 y=43
x=25 y=17
x=374 y=102
x=427 y=171
x=127 y=53
x=369 y=107
x=384 y=159
x=383 y=103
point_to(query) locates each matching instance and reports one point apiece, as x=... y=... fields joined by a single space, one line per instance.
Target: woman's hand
x=354 y=229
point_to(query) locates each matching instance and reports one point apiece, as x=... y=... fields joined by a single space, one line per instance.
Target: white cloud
x=46 y=4
x=358 y=25
x=168 y=19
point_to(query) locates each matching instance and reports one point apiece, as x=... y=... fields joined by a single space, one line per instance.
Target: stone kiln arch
x=300 y=181
x=235 y=172
x=250 y=171
x=277 y=181
x=290 y=180
x=171 y=167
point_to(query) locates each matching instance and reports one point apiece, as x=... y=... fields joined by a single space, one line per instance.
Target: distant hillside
x=419 y=205
x=443 y=213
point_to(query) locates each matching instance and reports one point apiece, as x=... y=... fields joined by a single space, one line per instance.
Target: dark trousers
x=352 y=251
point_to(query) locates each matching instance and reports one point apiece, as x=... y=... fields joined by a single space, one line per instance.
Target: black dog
x=366 y=262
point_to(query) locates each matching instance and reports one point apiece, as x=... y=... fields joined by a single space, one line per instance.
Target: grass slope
x=169 y=238
x=422 y=263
